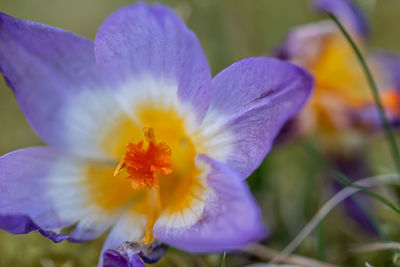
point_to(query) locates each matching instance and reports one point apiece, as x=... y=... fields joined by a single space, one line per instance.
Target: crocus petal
x=387 y=66
x=356 y=166
x=23 y=224
x=56 y=82
x=348 y=12
x=134 y=254
x=23 y=183
x=114 y=258
x=131 y=226
x=147 y=54
x=222 y=225
x=55 y=190
x=87 y=192
x=251 y=100
x=305 y=44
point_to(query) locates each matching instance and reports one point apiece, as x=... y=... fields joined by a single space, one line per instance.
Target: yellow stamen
x=153 y=211
x=120 y=166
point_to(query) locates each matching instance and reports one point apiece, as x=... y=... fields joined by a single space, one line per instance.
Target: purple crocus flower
x=342 y=106
x=140 y=139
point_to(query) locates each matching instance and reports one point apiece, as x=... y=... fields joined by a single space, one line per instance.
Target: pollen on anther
x=143 y=163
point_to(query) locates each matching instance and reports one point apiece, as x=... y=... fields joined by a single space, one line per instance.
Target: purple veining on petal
x=253 y=99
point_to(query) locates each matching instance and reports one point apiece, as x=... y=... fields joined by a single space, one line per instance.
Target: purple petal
x=84 y=231
x=133 y=254
x=142 y=41
x=113 y=258
x=22 y=224
x=116 y=258
x=222 y=226
x=47 y=189
x=53 y=73
x=23 y=182
x=356 y=167
x=130 y=226
x=251 y=101
x=305 y=44
x=386 y=71
x=128 y=252
x=348 y=12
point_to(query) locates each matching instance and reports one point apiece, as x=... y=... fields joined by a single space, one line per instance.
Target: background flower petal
x=305 y=43
x=251 y=100
x=222 y=225
x=348 y=12
x=387 y=64
x=150 y=42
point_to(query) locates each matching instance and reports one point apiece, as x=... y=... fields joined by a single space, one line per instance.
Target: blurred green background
x=287 y=185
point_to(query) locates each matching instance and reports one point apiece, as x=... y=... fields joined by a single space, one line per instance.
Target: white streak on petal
x=214 y=137
x=130 y=227
x=71 y=198
x=88 y=118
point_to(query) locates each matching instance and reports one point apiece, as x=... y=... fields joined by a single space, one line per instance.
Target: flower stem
x=385 y=122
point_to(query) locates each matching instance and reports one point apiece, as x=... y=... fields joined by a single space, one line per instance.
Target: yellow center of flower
x=156 y=175
x=142 y=164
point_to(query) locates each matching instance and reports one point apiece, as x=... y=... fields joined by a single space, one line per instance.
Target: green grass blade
x=385 y=122
x=223 y=264
x=341 y=178
x=321 y=242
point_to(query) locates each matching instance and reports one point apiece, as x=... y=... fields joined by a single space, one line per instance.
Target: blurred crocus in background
x=140 y=139
x=341 y=115
x=342 y=105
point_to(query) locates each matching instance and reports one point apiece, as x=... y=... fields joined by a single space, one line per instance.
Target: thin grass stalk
x=267 y=254
x=332 y=203
x=371 y=81
x=373 y=247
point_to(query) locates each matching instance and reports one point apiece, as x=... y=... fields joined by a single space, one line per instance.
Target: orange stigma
x=142 y=163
